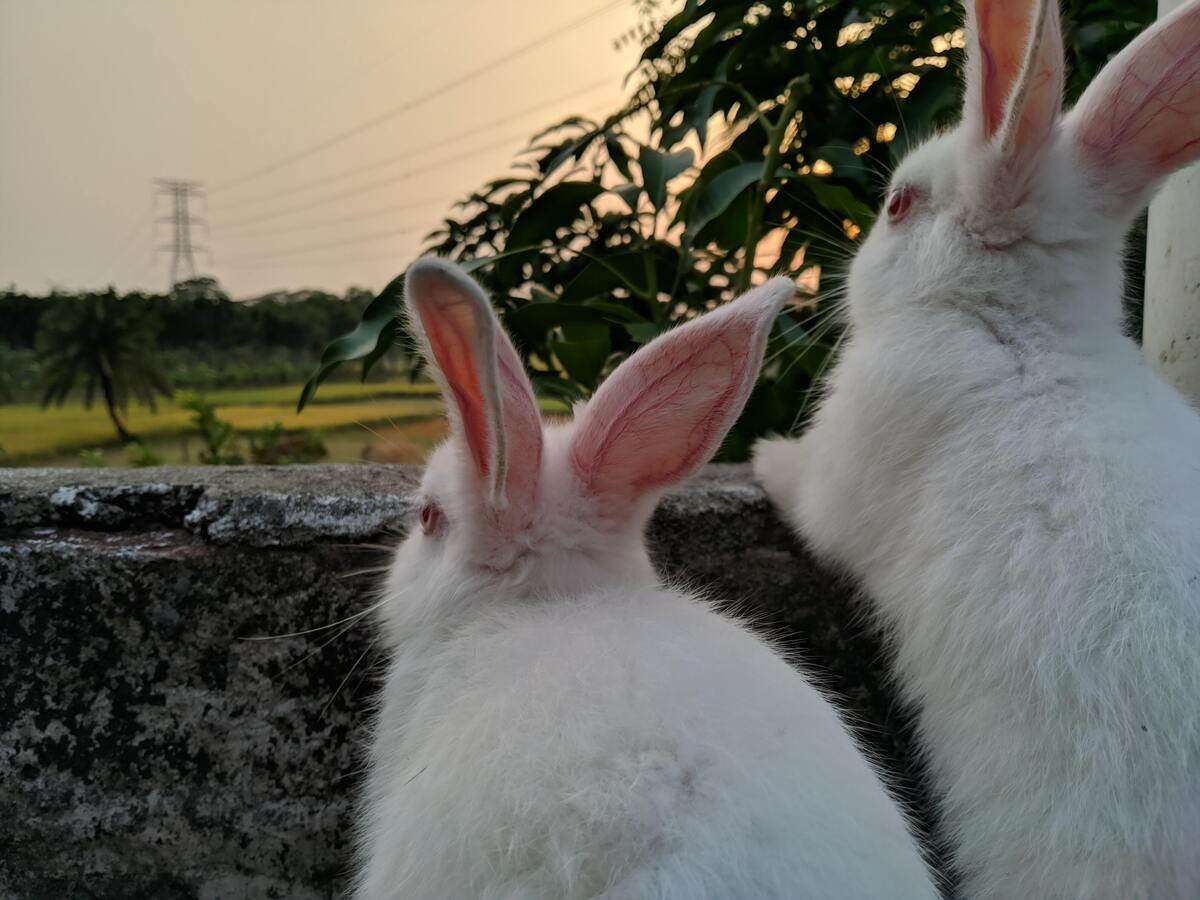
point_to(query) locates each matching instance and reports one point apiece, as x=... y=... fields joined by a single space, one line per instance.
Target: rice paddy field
x=392 y=422
x=389 y=422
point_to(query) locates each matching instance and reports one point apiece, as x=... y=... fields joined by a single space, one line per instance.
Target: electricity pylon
x=181 y=219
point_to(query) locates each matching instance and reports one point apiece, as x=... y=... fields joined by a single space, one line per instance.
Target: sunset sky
x=99 y=98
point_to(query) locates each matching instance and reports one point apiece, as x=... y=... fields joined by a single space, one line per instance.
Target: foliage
x=204 y=340
x=92 y=458
x=106 y=342
x=8 y=375
x=602 y=239
x=20 y=373
x=219 y=439
x=142 y=457
x=273 y=446
x=27 y=432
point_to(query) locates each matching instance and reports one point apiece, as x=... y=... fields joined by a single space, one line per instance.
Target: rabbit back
x=1039 y=571
x=616 y=745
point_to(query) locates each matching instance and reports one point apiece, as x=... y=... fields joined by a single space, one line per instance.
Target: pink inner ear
x=523 y=438
x=663 y=415
x=1042 y=97
x=1140 y=119
x=450 y=327
x=1002 y=32
x=664 y=412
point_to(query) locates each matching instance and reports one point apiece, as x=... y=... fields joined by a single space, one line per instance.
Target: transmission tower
x=181 y=219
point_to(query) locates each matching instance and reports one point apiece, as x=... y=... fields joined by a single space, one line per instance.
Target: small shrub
x=92 y=458
x=273 y=446
x=219 y=439
x=142 y=457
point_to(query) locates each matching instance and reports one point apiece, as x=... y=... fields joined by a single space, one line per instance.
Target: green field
x=396 y=421
x=400 y=419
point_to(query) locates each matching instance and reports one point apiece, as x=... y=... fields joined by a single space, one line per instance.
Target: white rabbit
x=555 y=722
x=1018 y=495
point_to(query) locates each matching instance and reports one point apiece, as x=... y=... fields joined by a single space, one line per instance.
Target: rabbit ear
x=664 y=412
x=1139 y=120
x=491 y=401
x=1015 y=72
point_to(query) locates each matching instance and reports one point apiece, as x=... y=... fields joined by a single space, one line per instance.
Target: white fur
x=571 y=728
x=1020 y=498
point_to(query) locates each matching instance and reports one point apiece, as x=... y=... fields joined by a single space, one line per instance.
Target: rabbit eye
x=431 y=518
x=899 y=202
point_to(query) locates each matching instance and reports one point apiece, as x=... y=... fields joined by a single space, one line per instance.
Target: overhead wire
x=363 y=188
x=343 y=220
x=305 y=105
x=119 y=257
x=425 y=148
x=413 y=103
x=328 y=245
x=230 y=228
x=306 y=262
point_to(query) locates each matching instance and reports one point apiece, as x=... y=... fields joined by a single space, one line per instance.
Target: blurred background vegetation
x=757 y=139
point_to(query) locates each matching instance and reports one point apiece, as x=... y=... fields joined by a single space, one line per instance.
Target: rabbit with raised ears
x=1017 y=494
x=557 y=723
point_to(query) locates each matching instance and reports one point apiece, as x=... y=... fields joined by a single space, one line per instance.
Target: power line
x=417 y=101
x=306 y=104
x=359 y=189
x=309 y=248
x=328 y=223
x=313 y=263
x=392 y=160
x=479 y=150
x=118 y=258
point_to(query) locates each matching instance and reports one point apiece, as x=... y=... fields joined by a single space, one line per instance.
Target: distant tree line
x=198 y=338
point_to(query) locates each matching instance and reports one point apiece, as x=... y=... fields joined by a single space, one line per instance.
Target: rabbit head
x=509 y=505
x=1020 y=201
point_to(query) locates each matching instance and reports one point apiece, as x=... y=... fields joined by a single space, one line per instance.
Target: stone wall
x=184 y=682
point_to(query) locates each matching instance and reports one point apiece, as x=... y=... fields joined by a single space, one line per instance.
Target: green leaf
x=702 y=107
x=539 y=222
x=671 y=30
x=555 y=208
x=365 y=336
x=836 y=197
x=530 y=322
x=722 y=162
x=715 y=196
x=800 y=349
x=557 y=387
x=615 y=311
x=605 y=274
x=370 y=338
x=840 y=155
x=659 y=168
x=629 y=194
x=387 y=338
x=643 y=332
x=583 y=352
x=570 y=149
x=617 y=154
x=482 y=262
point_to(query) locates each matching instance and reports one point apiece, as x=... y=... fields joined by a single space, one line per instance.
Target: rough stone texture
x=184 y=681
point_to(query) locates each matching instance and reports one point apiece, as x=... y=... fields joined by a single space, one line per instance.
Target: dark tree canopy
x=105 y=343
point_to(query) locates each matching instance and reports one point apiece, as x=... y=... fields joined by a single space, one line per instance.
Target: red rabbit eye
x=431 y=517
x=899 y=202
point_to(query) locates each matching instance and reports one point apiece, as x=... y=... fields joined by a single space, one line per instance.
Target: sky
x=97 y=99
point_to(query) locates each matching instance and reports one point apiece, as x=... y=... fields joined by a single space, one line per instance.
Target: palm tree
x=105 y=342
